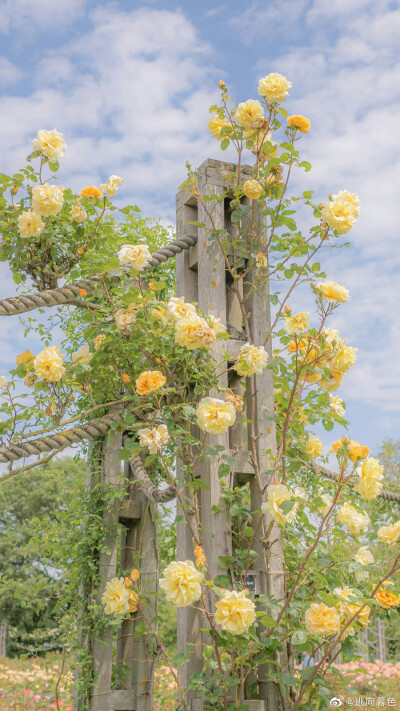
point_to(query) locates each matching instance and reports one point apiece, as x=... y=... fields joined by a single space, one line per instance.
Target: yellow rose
x=390 y=534
x=235 y=612
x=98 y=341
x=252 y=359
x=275 y=87
x=296 y=323
x=237 y=400
x=182 y=583
x=344 y=359
x=332 y=340
x=322 y=620
x=249 y=113
x=261 y=260
x=364 y=556
x=153 y=438
x=91 y=192
x=83 y=355
x=124 y=317
x=302 y=123
x=336 y=405
x=276 y=494
x=47 y=199
x=333 y=383
x=353 y=520
x=327 y=501
x=177 y=308
x=252 y=189
x=136 y=256
x=78 y=213
x=50 y=143
x=30 y=224
x=370 y=480
x=344 y=594
x=148 y=381
x=116 y=597
x=356 y=450
x=133 y=601
x=387 y=598
x=215 y=416
x=48 y=365
x=109 y=189
x=200 y=557
x=333 y=292
x=341 y=211
x=216 y=324
x=362 y=615
x=314 y=447
x=25 y=358
x=193 y=332
x=3 y=381
x=159 y=312
x=215 y=125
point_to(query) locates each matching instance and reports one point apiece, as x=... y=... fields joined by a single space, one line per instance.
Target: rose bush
x=131 y=343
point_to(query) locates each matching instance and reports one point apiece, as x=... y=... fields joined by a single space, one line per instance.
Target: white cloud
x=131 y=96
x=29 y=16
x=9 y=73
x=345 y=78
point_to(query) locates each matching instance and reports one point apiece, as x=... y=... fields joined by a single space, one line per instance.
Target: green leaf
x=224 y=561
x=268 y=621
x=236 y=216
x=328 y=425
x=199 y=483
x=140 y=629
x=288 y=679
x=306 y=165
x=224 y=144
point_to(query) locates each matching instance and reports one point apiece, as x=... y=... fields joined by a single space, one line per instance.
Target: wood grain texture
x=202 y=277
x=103 y=642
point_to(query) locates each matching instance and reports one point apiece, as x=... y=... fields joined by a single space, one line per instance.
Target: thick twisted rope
x=70 y=294
x=388 y=495
x=94 y=428
x=149 y=489
x=36 y=447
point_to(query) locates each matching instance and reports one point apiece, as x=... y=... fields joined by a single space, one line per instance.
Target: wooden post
x=103 y=639
x=139 y=550
x=3 y=639
x=135 y=656
x=201 y=276
x=380 y=640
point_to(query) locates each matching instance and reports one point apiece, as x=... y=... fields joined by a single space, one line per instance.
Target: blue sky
x=129 y=84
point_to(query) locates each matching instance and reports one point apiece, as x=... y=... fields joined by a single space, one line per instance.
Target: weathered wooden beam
x=120 y=700
x=130 y=510
x=103 y=641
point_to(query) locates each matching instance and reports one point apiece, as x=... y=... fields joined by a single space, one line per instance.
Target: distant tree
x=32 y=584
x=389 y=454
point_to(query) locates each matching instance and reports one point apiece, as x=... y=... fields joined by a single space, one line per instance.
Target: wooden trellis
x=201 y=276
x=124 y=663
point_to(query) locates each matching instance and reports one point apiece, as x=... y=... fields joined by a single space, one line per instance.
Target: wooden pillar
x=135 y=544
x=3 y=639
x=103 y=638
x=202 y=277
x=380 y=640
x=139 y=550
